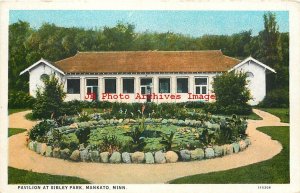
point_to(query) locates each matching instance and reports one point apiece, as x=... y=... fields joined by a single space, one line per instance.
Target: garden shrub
x=216 y=108
x=20 y=99
x=49 y=99
x=278 y=98
x=39 y=131
x=84 y=117
x=83 y=134
x=69 y=141
x=232 y=94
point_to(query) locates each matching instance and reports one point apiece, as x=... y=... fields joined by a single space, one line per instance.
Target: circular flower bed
x=141 y=140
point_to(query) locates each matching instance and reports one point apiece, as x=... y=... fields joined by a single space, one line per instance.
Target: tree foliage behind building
x=27 y=45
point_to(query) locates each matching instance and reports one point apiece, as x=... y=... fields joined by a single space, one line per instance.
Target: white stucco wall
x=133 y=97
x=35 y=77
x=257 y=84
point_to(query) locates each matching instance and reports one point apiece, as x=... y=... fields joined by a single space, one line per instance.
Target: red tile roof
x=147 y=61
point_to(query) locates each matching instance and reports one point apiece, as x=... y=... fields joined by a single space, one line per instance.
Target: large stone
x=48 y=152
x=149 y=158
x=164 y=121
x=65 y=153
x=209 y=153
x=126 y=157
x=75 y=156
x=138 y=157
x=38 y=147
x=81 y=147
x=43 y=148
x=171 y=157
x=84 y=155
x=180 y=122
x=218 y=151
x=197 y=154
x=56 y=152
x=94 y=156
x=236 y=147
x=115 y=157
x=104 y=157
x=159 y=157
x=227 y=149
x=242 y=145
x=35 y=146
x=247 y=141
x=185 y=155
x=30 y=145
x=126 y=121
x=187 y=122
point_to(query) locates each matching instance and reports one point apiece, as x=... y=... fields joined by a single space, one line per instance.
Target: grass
x=11 y=111
x=92 y=110
x=273 y=171
x=282 y=113
x=14 y=131
x=18 y=176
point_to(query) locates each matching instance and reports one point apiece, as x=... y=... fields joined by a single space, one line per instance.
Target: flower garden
x=140 y=133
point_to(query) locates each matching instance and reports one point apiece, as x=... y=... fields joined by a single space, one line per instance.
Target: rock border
x=159 y=157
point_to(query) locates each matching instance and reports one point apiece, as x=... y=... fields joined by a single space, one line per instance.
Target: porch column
x=155 y=84
x=118 y=86
x=191 y=84
x=100 y=87
x=173 y=84
x=137 y=85
x=82 y=88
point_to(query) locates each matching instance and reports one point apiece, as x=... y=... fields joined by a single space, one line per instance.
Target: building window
x=249 y=74
x=44 y=77
x=201 y=85
x=92 y=89
x=128 y=85
x=182 y=85
x=110 y=85
x=146 y=85
x=164 y=85
x=73 y=86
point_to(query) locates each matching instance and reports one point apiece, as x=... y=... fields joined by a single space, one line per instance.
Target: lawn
x=17 y=176
x=273 y=171
x=14 y=131
x=92 y=110
x=282 y=113
x=11 y=111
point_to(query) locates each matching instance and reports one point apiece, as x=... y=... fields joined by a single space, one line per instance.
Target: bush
x=69 y=141
x=49 y=100
x=276 y=98
x=83 y=134
x=20 y=99
x=232 y=94
x=38 y=132
x=215 y=108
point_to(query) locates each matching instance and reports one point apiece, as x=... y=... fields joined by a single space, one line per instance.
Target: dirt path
x=262 y=148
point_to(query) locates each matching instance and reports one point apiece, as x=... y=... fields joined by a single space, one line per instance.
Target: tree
x=270 y=48
x=18 y=33
x=231 y=93
x=120 y=37
x=49 y=99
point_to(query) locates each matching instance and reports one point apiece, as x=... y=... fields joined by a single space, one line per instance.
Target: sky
x=193 y=23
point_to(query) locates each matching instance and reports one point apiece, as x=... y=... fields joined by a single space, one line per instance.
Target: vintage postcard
x=141 y=96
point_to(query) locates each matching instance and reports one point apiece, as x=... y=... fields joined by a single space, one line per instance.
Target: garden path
x=262 y=148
